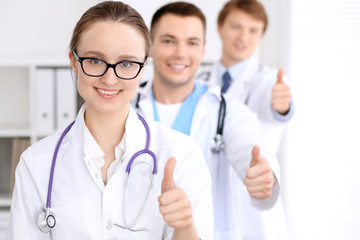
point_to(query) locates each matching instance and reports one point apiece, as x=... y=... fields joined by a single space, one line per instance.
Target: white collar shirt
x=94 y=158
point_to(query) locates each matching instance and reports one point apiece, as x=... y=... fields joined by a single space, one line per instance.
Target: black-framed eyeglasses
x=95 y=67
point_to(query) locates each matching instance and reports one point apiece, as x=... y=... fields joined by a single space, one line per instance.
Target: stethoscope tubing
x=146 y=150
x=221 y=117
x=52 y=171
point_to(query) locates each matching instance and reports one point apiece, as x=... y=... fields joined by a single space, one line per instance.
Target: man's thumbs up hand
x=280 y=76
x=259 y=176
x=255 y=153
x=280 y=98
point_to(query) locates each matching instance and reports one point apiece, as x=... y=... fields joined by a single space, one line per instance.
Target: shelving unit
x=29 y=102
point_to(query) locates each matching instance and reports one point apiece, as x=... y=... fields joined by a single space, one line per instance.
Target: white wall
x=317 y=42
x=321 y=55
x=42 y=28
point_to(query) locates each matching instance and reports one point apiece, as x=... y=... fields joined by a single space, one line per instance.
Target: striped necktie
x=226 y=81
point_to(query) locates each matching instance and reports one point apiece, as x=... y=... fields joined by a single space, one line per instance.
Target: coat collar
x=134 y=135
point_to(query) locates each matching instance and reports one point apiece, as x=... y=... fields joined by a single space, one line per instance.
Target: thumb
x=168 y=180
x=255 y=155
x=280 y=76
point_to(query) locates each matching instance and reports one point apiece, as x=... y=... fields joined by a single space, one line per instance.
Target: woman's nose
x=110 y=77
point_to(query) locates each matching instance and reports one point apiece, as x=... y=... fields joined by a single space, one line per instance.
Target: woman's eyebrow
x=120 y=58
x=129 y=57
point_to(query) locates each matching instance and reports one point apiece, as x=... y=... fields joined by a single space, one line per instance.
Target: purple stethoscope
x=47 y=221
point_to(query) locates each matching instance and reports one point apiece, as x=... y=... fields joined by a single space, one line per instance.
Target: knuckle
x=248 y=172
x=269 y=189
x=173 y=225
x=189 y=213
x=268 y=179
x=246 y=181
x=187 y=203
x=162 y=210
x=267 y=169
x=252 y=195
x=161 y=199
x=267 y=193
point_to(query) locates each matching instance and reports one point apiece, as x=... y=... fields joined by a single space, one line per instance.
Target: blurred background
x=317 y=42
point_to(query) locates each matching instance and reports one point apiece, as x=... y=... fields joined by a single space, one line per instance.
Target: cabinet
x=36 y=99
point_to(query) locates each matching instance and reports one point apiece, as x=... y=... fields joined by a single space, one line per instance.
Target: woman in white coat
x=175 y=100
x=83 y=194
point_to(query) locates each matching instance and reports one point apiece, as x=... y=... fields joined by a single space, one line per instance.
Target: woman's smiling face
x=111 y=42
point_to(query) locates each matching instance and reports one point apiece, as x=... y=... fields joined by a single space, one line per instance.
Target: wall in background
x=322 y=169
x=43 y=28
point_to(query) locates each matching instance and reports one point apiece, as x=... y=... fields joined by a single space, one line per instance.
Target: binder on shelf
x=45 y=100
x=65 y=98
x=19 y=145
x=4 y=223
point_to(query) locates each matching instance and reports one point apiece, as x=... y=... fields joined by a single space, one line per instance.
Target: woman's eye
x=125 y=64
x=95 y=61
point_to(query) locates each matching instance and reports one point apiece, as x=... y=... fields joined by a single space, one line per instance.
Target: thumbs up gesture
x=175 y=205
x=259 y=176
x=280 y=97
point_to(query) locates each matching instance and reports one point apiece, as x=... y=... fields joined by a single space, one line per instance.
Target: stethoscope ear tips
x=46 y=222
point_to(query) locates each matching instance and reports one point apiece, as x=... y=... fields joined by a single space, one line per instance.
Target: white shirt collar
x=94 y=152
x=234 y=70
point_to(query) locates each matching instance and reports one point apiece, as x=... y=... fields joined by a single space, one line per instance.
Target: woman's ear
x=73 y=61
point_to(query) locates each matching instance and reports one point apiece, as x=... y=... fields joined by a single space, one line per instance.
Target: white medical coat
x=83 y=210
x=227 y=168
x=254 y=88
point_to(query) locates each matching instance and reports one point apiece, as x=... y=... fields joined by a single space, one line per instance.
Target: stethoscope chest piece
x=217 y=144
x=46 y=222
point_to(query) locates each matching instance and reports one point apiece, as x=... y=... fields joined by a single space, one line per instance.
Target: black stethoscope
x=47 y=221
x=217 y=144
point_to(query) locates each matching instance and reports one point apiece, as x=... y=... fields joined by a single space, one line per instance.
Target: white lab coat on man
x=228 y=167
x=85 y=210
x=254 y=87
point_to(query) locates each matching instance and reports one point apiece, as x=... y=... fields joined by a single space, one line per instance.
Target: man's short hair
x=182 y=9
x=251 y=7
